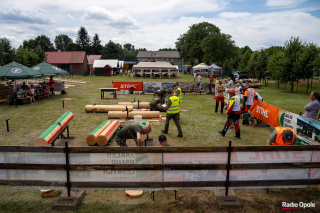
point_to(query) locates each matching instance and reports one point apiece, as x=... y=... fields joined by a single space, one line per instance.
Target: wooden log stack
x=142 y=105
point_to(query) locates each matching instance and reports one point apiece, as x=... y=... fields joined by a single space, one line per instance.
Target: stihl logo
x=127 y=86
x=262 y=111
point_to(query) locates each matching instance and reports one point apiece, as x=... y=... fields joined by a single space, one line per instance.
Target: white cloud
x=284 y=3
x=37 y=15
x=71 y=17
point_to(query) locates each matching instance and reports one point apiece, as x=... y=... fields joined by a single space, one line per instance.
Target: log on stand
x=107 y=108
x=92 y=137
x=106 y=135
x=145 y=114
x=142 y=105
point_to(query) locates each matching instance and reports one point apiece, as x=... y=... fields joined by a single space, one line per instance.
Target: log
x=145 y=114
x=92 y=137
x=53 y=131
x=106 y=135
x=142 y=105
x=107 y=108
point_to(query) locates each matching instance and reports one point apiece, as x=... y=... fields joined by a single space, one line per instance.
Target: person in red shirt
x=233 y=113
x=51 y=82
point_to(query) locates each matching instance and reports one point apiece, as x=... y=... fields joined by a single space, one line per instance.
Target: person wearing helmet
x=233 y=113
x=248 y=97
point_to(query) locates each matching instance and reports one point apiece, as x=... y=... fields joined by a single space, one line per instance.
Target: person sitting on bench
x=29 y=95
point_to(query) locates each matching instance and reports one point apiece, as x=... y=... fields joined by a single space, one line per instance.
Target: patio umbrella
x=48 y=69
x=15 y=70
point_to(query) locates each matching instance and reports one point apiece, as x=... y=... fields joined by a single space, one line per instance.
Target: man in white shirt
x=230 y=83
x=194 y=76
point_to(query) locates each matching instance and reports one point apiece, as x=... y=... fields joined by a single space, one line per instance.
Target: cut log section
x=54 y=130
x=145 y=114
x=92 y=137
x=107 y=108
x=106 y=135
x=134 y=193
x=142 y=105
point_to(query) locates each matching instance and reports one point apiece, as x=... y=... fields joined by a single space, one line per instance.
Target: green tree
x=83 y=40
x=73 y=47
x=30 y=57
x=292 y=72
x=7 y=52
x=306 y=62
x=276 y=65
x=128 y=47
x=167 y=49
x=244 y=60
x=61 y=42
x=252 y=64
x=42 y=41
x=218 y=48
x=189 y=43
x=96 y=47
x=112 y=50
x=261 y=67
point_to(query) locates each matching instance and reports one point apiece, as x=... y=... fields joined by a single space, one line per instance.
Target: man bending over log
x=132 y=131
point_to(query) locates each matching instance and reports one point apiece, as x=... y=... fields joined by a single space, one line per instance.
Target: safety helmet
x=231 y=92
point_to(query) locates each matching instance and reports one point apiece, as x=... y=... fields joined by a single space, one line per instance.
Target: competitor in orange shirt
x=248 y=97
x=282 y=136
x=51 y=82
x=233 y=113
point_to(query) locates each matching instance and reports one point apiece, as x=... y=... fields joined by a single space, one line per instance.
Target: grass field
x=200 y=128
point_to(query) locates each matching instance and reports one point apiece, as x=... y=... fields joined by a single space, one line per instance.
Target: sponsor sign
x=265 y=112
x=137 y=86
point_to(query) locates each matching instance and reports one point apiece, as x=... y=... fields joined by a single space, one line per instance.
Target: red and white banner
x=137 y=86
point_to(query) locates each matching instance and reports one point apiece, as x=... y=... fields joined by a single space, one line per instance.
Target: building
x=75 y=63
x=107 y=67
x=173 y=57
x=91 y=59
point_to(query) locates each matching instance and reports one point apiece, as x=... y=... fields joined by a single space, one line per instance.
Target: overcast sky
x=154 y=24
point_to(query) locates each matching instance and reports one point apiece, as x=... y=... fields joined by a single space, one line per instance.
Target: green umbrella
x=48 y=69
x=15 y=70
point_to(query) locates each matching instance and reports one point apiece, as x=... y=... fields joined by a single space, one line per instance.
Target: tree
x=83 y=40
x=261 y=67
x=96 y=47
x=218 y=48
x=42 y=41
x=292 y=72
x=167 y=49
x=252 y=64
x=61 y=42
x=72 y=47
x=189 y=43
x=306 y=61
x=244 y=60
x=30 y=57
x=276 y=65
x=112 y=50
x=128 y=47
x=7 y=52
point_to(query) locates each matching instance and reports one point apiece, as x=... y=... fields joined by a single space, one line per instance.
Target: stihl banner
x=137 y=86
x=265 y=112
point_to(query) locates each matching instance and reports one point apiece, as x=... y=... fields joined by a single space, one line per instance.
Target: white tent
x=201 y=66
x=215 y=69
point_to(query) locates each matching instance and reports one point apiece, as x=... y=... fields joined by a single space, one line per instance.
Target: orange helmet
x=232 y=92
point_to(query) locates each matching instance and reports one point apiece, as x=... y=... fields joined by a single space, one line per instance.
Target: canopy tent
x=150 y=68
x=215 y=69
x=48 y=69
x=15 y=70
x=201 y=66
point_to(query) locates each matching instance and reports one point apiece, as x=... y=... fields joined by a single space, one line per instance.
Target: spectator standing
x=194 y=76
x=220 y=88
x=121 y=72
x=51 y=83
x=230 y=83
x=312 y=108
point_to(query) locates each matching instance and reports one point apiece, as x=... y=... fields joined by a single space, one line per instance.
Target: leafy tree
x=244 y=60
x=61 y=42
x=306 y=61
x=261 y=67
x=42 y=41
x=276 y=65
x=83 y=40
x=30 y=57
x=112 y=50
x=73 y=47
x=96 y=47
x=252 y=64
x=218 y=48
x=128 y=47
x=7 y=52
x=227 y=66
x=189 y=43
x=292 y=72
x=167 y=49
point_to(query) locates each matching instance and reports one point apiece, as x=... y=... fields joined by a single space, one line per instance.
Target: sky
x=155 y=24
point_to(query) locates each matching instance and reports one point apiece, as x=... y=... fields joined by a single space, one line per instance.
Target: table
x=108 y=90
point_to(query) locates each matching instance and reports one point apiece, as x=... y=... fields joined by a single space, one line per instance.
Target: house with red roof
x=74 y=62
x=91 y=59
